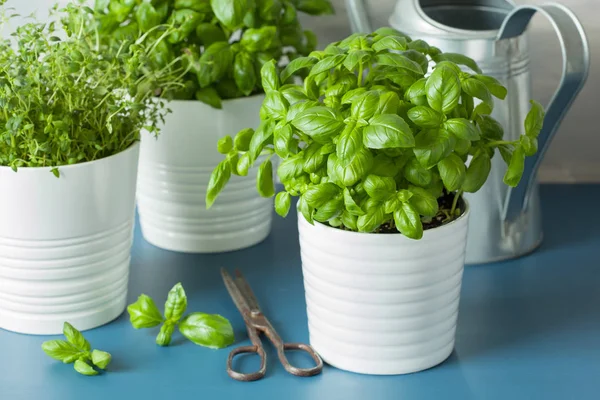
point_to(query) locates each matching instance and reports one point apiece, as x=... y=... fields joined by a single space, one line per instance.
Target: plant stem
x=360 y=73
x=496 y=143
x=455 y=201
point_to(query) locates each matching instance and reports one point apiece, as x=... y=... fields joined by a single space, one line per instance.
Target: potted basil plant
x=224 y=43
x=71 y=121
x=379 y=155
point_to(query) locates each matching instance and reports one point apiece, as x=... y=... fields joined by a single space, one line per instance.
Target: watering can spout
x=357 y=13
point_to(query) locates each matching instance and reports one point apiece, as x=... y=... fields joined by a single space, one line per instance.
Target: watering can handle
x=359 y=18
x=576 y=61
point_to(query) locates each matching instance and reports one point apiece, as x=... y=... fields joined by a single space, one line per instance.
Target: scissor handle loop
x=247 y=377
x=300 y=371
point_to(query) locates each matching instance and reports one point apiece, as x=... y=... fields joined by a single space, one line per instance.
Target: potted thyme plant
x=71 y=121
x=379 y=155
x=224 y=44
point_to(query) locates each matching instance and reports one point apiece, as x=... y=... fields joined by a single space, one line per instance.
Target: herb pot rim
x=132 y=147
x=438 y=230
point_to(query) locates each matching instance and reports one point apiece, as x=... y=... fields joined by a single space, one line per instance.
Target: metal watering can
x=505 y=222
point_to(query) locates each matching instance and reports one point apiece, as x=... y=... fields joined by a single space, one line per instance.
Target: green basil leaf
x=242 y=139
x=392 y=204
x=356 y=57
x=283 y=139
x=353 y=95
x=209 y=34
x=274 y=106
x=417 y=57
x=494 y=86
x=147 y=17
x=165 y=334
x=208 y=330
x=176 y=303
x=386 y=166
x=243 y=165
x=379 y=187
x=327 y=64
x=262 y=39
x=209 y=95
x=419 y=45
x=214 y=63
x=320 y=123
x=513 y=174
x=225 y=144
x=388 y=131
x=261 y=136
x=431 y=146
x=296 y=65
x=534 y=120
x=458 y=59
x=75 y=337
x=423 y=201
x=230 y=12
x=299 y=107
x=462 y=147
x=416 y=174
x=490 y=128
x=477 y=173
x=349 y=220
x=481 y=109
x=306 y=210
x=349 y=143
x=313 y=159
x=364 y=106
x=397 y=43
x=314 y=7
x=269 y=10
x=443 y=90
x=462 y=128
x=416 y=93
x=202 y=6
x=330 y=210
x=388 y=103
x=244 y=73
x=185 y=22
x=317 y=195
x=408 y=222
x=351 y=206
x=283 y=202
x=387 y=31
x=264 y=179
x=398 y=61
x=354 y=171
x=218 y=179
x=294 y=94
x=101 y=359
x=475 y=88
x=452 y=171
x=269 y=77
x=425 y=117
x=144 y=313
x=311 y=88
x=290 y=168
x=84 y=368
x=61 y=350
x=506 y=152
x=529 y=145
x=371 y=220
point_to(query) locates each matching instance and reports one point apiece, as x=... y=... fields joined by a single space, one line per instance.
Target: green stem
x=455 y=201
x=360 y=74
x=496 y=143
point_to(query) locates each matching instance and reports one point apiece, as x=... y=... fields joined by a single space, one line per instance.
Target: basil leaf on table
x=144 y=313
x=208 y=330
x=84 y=368
x=75 y=337
x=166 y=332
x=61 y=350
x=176 y=303
x=101 y=359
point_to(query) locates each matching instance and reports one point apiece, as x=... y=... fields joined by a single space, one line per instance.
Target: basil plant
x=224 y=43
x=378 y=136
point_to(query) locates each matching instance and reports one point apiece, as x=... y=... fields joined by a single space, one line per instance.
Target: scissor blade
x=235 y=293
x=246 y=290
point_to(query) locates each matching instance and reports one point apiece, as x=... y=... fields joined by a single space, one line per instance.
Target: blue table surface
x=528 y=328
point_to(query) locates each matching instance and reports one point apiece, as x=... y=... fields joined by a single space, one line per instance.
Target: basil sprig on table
x=208 y=330
x=369 y=143
x=224 y=42
x=76 y=349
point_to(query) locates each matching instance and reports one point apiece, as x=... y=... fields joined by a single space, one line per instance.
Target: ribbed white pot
x=65 y=243
x=382 y=304
x=173 y=176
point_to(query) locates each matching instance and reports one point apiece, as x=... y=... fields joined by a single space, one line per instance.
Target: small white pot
x=173 y=176
x=65 y=243
x=382 y=304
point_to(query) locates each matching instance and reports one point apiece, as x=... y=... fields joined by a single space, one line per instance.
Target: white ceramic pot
x=65 y=244
x=382 y=304
x=173 y=176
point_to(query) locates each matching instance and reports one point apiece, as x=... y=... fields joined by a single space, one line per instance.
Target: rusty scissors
x=257 y=323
